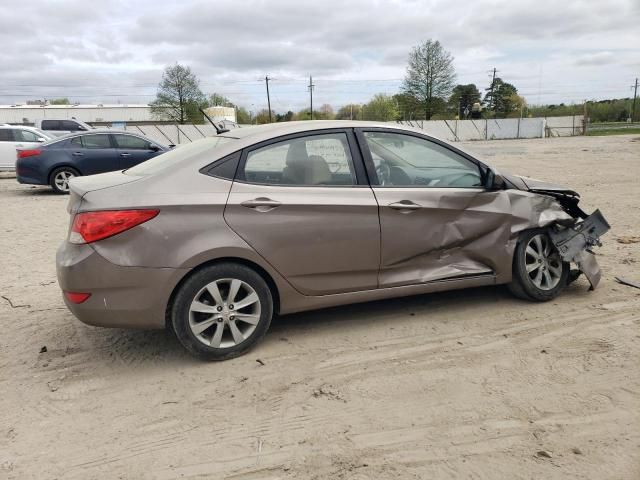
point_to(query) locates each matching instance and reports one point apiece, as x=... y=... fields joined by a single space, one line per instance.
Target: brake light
x=93 y=226
x=28 y=153
x=77 y=297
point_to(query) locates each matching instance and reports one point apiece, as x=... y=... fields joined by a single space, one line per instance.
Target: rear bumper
x=124 y=297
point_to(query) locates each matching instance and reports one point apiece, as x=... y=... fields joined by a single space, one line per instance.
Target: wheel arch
x=273 y=288
x=61 y=165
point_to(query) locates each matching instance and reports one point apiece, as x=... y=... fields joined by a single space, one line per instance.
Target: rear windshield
x=176 y=155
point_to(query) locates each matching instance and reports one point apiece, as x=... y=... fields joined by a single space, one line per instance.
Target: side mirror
x=80 y=127
x=154 y=148
x=495 y=181
x=41 y=139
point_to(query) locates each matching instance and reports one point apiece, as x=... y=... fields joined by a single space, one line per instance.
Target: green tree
x=217 y=100
x=348 y=112
x=430 y=76
x=263 y=116
x=462 y=99
x=243 y=116
x=500 y=99
x=59 y=101
x=381 y=108
x=179 y=96
x=284 y=117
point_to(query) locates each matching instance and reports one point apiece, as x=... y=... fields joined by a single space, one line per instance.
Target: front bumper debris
x=575 y=243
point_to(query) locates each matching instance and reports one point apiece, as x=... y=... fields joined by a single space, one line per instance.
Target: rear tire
x=59 y=179
x=539 y=273
x=222 y=311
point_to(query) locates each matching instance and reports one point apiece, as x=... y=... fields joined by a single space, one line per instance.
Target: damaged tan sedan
x=214 y=238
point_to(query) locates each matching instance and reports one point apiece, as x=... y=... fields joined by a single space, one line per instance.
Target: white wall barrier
x=499 y=128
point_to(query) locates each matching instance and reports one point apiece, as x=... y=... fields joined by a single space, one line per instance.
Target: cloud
x=116 y=50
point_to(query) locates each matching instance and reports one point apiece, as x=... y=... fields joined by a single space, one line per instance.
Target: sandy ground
x=469 y=384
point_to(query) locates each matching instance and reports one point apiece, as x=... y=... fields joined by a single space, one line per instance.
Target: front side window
x=313 y=160
x=70 y=125
x=95 y=141
x=406 y=161
x=129 y=142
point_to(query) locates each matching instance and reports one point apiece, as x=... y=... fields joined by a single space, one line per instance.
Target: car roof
x=100 y=131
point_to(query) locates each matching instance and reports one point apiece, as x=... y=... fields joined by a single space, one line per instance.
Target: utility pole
x=635 y=95
x=266 y=80
x=311 y=85
x=493 y=101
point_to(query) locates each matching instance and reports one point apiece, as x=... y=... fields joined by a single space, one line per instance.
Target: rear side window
x=25 y=136
x=95 y=141
x=51 y=125
x=312 y=160
x=6 y=135
x=130 y=142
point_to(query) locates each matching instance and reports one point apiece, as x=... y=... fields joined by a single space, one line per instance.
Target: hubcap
x=224 y=313
x=62 y=180
x=543 y=262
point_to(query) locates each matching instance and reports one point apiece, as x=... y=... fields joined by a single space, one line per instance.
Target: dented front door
x=437 y=221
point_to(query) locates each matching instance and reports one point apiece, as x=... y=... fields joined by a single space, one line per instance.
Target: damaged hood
x=535 y=185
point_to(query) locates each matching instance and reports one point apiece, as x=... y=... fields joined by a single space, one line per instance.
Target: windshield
x=176 y=155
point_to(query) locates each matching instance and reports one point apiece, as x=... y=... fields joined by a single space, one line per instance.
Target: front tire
x=60 y=177
x=539 y=273
x=222 y=311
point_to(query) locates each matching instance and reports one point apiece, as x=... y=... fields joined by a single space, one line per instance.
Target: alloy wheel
x=224 y=313
x=62 y=178
x=543 y=262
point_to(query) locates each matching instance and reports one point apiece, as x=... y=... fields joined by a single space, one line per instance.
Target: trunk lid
x=80 y=186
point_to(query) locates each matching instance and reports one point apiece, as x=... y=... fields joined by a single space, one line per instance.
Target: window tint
x=407 y=161
x=96 y=141
x=50 y=125
x=130 y=142
x=25 y=136
x=6 y=135
x=313 y=160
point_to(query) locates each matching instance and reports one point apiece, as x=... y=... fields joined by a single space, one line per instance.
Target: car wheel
x=59 y=179
x=539 y=273
x=221 y=311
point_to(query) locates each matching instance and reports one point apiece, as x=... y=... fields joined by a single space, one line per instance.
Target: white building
x=100 y=113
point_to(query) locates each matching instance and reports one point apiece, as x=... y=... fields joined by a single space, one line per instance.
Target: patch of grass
x=613 y=131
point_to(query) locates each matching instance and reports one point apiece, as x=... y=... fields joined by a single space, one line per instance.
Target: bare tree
x=430 y=76
x=179 y=96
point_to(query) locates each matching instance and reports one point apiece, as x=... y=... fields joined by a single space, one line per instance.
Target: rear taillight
x=93 y=226
x=28 y=153
x=77 y=297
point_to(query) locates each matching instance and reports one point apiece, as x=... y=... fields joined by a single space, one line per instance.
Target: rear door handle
x=406 y=205
x=77 y=154
x=261 y=204
x=125 y=154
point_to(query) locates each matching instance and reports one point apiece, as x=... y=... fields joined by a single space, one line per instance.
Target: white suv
x=13 y=137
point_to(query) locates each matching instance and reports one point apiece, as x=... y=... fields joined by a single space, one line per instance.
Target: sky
x=114 y=51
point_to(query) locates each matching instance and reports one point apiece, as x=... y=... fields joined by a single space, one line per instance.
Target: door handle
x=406 y=206
x=125 y=154
x=77 y=154
x=261 y=204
